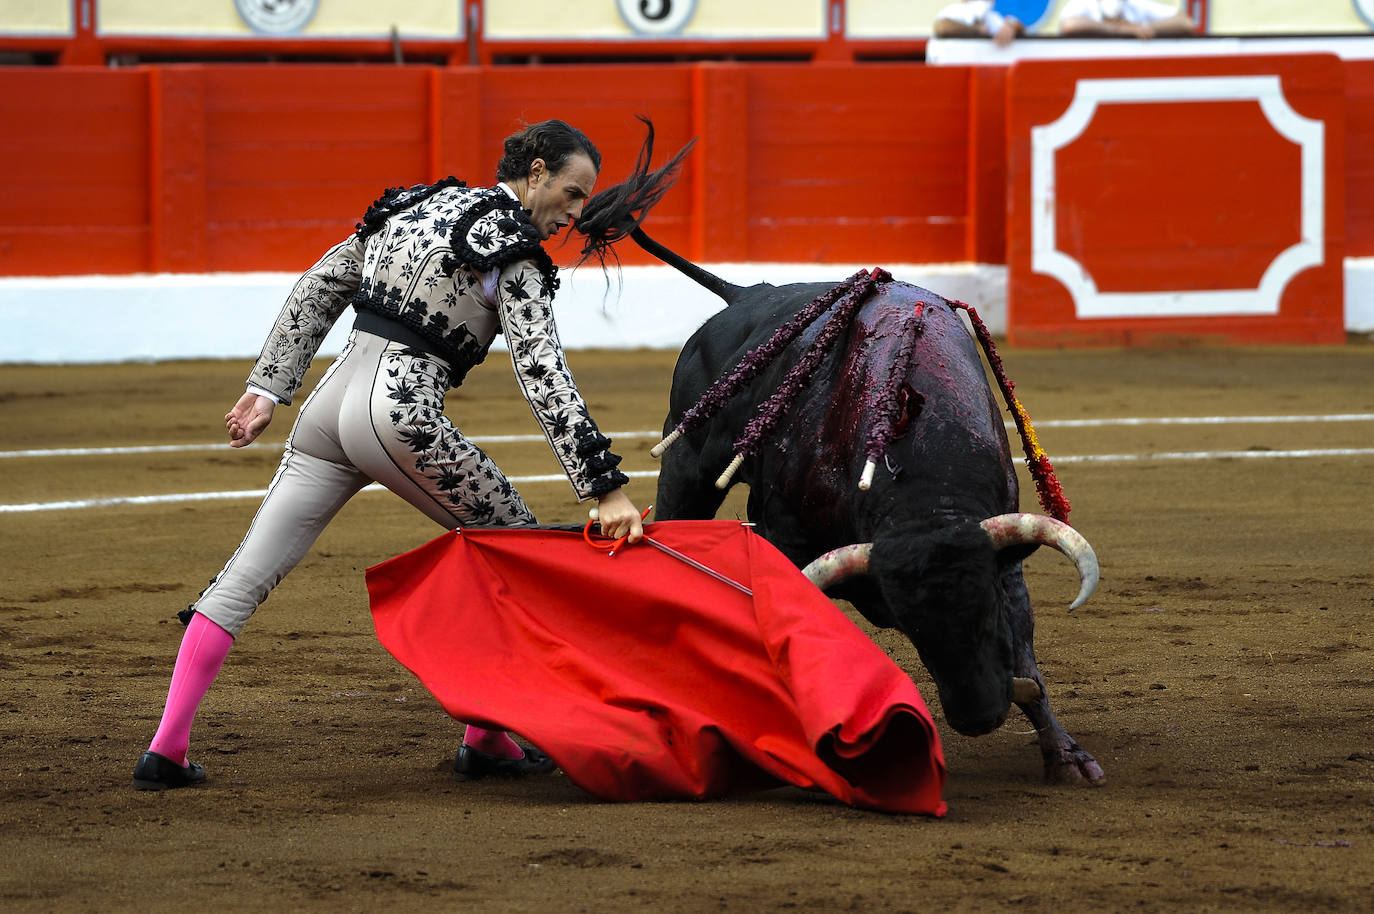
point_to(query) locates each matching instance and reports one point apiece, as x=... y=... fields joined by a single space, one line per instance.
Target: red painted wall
x=235 y=168
x=1153 y=198
x=1359 y=158
x=850 y=163
x=229 y=167
x=74 y=158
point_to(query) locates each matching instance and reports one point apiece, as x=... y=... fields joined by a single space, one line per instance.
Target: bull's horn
x=839 y=565
x=1022 y=529
x=1024 y=690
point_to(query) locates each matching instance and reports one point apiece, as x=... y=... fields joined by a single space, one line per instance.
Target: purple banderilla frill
x=845 y=298
x=891 y=400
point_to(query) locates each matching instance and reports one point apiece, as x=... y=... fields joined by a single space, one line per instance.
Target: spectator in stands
x=1123 y=19
x=977 y=19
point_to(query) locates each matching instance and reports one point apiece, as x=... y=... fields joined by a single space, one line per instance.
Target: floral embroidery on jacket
x=418 y=259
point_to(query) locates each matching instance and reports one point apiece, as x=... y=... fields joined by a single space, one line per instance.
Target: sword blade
x=669 y=550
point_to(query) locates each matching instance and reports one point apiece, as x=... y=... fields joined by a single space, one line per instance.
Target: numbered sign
x=276 y=17
x=656 y=17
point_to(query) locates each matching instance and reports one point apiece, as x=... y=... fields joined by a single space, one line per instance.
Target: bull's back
x=727 y=336
x=906 y=364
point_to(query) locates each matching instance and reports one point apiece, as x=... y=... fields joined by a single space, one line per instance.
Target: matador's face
x=555 y=199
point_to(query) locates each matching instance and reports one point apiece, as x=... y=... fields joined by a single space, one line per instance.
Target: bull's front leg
x=1065 y=761
x=686 y=487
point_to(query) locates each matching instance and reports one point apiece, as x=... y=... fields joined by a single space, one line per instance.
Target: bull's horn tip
x=1088 y=589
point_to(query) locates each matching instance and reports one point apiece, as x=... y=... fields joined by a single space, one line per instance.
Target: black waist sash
x=388 y=329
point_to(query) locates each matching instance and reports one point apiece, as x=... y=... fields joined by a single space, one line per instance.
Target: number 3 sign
x=656 y=17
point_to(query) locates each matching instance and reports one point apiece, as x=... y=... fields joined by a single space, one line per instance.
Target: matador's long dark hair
x=553 y=141
x=615 y=212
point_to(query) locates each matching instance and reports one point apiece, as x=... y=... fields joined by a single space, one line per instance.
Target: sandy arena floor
x=1223 y=674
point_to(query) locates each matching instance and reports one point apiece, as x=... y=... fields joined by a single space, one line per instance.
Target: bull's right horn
x=1023 y=529
x=839 y=565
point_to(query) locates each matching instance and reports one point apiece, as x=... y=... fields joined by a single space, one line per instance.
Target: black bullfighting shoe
x=472 y=765
x=158 y=772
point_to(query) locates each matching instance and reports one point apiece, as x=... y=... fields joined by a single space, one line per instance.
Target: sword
x=669 y=550
x=666 y=550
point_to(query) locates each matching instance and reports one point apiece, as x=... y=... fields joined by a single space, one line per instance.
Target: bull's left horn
x=1023 y=529
x=839 y=565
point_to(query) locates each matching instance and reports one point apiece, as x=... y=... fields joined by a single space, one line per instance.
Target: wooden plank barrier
x=1188 y=198
x=213 y=167
x=195 y=168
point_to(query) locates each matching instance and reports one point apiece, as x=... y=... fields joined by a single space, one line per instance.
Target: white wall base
x=226 y=315
x=54 y=320
x=1359 y=294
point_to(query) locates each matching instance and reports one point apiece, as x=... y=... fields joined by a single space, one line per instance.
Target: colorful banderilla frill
x=845 y=299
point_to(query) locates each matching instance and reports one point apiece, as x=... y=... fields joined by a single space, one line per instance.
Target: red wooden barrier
x=74 y=164
x=238 y=168
x=1359 y=158
x=1190 y=197
x=260 y=167
x=859 y=164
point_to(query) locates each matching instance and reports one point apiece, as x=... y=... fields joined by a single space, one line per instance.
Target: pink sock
x=492 y=742
x=203 y=650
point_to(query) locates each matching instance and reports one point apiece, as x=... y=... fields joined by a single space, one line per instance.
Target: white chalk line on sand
x=242 y=493
x=644 y=474
x=520 y=439
x=1250 y=454
x=224 y=446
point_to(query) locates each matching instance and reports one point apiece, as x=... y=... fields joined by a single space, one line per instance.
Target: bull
x=922 y=534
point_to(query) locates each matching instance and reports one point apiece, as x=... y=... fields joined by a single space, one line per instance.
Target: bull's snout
x=976 y=710
x=975 y=725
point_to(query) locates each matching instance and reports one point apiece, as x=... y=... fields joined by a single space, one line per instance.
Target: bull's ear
x=1017 y=553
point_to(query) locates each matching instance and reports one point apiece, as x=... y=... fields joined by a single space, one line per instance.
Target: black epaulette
x=495 y=231
x=399 y=199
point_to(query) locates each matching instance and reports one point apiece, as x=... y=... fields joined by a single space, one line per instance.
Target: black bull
x=934 y=572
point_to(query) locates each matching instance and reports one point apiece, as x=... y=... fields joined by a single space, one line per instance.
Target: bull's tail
x=726 y=290
x=616 y=211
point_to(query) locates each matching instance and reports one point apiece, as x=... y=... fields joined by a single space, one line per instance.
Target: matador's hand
x=248 y=418
x=618 y=516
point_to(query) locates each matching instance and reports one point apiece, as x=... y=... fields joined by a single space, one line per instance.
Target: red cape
x=647 y=679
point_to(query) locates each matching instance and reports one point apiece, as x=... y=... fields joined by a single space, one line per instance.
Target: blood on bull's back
x=908 y=367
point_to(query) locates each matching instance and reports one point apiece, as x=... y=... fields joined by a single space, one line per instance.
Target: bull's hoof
x=1074 y=766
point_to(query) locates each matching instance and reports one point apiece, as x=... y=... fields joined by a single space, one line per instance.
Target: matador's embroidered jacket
x=419 y=258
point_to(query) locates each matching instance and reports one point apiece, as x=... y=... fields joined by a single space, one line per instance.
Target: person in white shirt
x=1123 y=19
x=977 y=19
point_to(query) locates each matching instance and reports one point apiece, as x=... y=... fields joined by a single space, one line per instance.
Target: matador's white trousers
x=376 y=415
